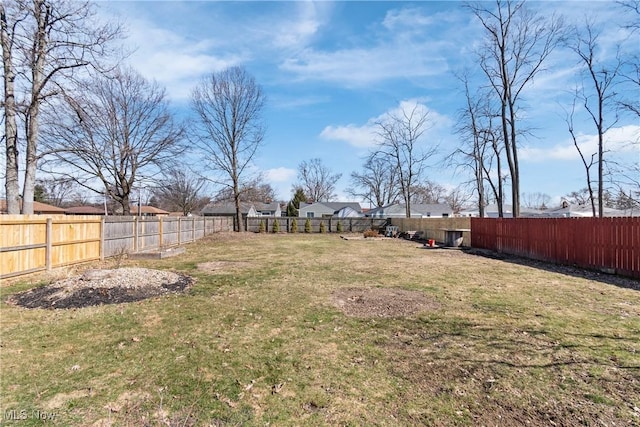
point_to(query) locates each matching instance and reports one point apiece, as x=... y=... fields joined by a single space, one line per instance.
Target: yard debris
x=276 y=388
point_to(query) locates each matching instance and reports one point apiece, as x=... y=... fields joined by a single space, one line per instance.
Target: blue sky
x=330 y=69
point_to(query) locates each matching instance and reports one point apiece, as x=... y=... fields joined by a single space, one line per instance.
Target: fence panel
x=22 y=244
x=348 y=225
x=119 y=235
x=31 y=243
x=611 y=244
x=148 y=233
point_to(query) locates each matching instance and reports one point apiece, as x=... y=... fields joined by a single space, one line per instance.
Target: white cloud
x=363 y=66
x=402 y=19
x=172 y=59
x=622 y=139
x=359 y=136
x=402 y=46
x=298 y=30
x=280 y=174
x=365 y=135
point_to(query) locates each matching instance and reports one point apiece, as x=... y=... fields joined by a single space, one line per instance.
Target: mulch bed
x=128 y=285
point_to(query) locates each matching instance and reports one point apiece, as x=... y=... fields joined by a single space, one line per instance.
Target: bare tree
x=517 y=42
x=377 y=182
x=253 y=191
x=229 y=129
x=180 y=191
x=587 y=160
x=481 y=149
x=597 y=97
x=400 y=140
x=536 y=200
x=117 y=130
x=56 y=191
x=428 y=192
x=457 y=199
x=580 y=197
x=44 y=43
x=629 y=171
x=317 y=181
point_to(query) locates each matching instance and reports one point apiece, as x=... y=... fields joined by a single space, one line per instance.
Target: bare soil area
x=102 y=286
x=381 y=302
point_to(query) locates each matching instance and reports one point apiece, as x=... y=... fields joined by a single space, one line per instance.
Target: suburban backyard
x=312 y=329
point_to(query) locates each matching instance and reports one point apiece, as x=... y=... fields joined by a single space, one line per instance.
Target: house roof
x=583 y=211
x=148 y=210
x=399 y=209
x=84 y=210
x=38 y=208
x=333 y=206
x=273 y=206
x=225 y=208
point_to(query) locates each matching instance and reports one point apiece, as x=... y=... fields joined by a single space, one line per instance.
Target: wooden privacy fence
x=31 y=243
x=348 y=225
x=434 y=228
x=609 y=244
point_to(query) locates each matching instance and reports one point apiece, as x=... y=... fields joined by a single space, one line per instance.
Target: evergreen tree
x=294 y=204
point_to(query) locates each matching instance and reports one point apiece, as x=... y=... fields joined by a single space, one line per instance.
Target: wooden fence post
x=179 y=230
x=160 y=240
x=49 y=244
x=102 y=240
x=135 y=234
x=193 y=229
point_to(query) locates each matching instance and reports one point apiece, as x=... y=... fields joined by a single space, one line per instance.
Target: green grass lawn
x=259 y=340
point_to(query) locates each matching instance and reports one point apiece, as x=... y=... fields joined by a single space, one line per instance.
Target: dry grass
x=266 y=336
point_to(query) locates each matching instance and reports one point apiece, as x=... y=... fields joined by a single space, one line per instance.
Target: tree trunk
x=515 y=172
x=42 y=12
x=12 y=187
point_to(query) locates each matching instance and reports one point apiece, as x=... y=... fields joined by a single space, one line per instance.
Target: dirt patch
x=98 y=287
x=216 y=266
x=381 y=302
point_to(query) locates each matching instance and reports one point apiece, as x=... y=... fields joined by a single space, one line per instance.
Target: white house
x=398 y=210
x=330 y=209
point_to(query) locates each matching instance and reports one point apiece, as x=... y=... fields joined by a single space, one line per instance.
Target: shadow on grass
x=609 y=279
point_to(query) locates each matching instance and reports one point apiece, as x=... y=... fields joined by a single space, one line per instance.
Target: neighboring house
x=147 y=211
x=267 y=209
x=399 y=210
x=567 y=210
x=330 y=209
x=247 y=209
x=84 y=210
x=491 y=211
x=38 y=208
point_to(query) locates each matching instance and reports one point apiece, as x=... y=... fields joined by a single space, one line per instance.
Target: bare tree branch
x=228 y=128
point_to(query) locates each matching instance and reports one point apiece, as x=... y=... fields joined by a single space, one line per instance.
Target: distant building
x=418 y=210
x=491 y=211
x=247 y=209
x=147 y=211
x=84 y=210
x=330 y=210
x=566 y=210
x=39 y=208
